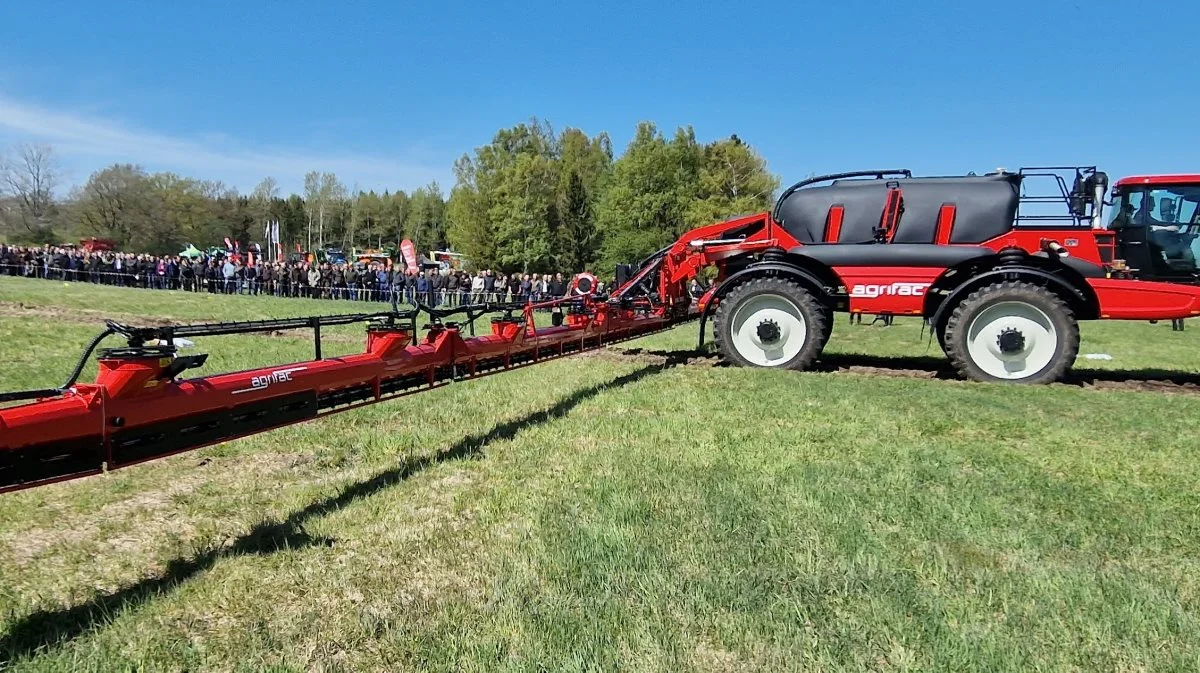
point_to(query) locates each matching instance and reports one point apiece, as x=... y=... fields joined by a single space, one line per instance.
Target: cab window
x=1157 y=207
x=1124 y=209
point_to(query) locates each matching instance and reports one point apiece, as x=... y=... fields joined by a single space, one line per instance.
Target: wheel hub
x=1010 y=341
x=768 y=331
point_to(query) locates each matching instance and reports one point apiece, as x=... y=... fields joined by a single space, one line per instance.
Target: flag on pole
x=271 y=233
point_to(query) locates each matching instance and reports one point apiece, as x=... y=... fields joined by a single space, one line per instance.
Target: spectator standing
x=437 y=286
x=452 y=288
x=188 y=274
x=410 y=287
x=297 y=277
x=489 y=285
x=352 y=281
x=514 y=287
x=251 y=279
x=478 y=283
x=229 y=274
x=464 y=288
x=422 y=289
x=526 y=289
x=558 y=286
x=337 y=276
x=383 y=283
x=314 y=282
x=267 y=279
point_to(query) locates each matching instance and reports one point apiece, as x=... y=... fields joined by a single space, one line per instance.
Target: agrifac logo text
x=892 y=290
x=265 y=381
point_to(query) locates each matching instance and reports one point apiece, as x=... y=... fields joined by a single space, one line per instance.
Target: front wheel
x=1012 y=332
x=770 y=322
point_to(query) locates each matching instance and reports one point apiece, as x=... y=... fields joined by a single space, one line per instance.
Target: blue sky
x=390 y=94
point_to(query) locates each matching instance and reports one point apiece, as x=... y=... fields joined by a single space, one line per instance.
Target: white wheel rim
x=1028 y=333
x=766 y=310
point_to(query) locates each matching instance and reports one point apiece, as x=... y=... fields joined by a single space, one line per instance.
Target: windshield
x=1170 y=215
x=1154 y=205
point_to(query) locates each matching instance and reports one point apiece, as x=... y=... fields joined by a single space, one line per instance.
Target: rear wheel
x=770 y=322
x=1012 y=332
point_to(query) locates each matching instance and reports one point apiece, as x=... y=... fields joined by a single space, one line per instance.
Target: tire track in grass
x=1141 y=380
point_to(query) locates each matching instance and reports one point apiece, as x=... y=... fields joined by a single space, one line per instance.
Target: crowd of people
x=353 y=280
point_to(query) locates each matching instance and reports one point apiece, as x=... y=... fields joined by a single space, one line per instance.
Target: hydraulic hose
x=75 y=374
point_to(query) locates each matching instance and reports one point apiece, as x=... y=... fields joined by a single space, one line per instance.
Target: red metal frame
x=945 y=224
x=891 y=213
x=833 y=226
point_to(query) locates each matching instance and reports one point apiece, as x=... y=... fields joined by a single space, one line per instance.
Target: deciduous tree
x=29 y=174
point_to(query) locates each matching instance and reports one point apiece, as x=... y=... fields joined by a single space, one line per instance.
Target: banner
x=410 y=254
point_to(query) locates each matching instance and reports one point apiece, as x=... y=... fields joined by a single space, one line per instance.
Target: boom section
x=141 y=406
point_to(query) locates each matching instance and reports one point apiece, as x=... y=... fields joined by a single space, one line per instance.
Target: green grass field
x=639 y=511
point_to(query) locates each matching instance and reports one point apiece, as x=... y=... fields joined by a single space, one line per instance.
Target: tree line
x=530 y=201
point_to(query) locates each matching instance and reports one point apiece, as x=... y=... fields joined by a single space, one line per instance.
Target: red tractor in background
x=1002 y=276
x=93 y=244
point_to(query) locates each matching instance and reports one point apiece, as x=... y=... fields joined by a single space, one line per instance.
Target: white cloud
x=90 y=143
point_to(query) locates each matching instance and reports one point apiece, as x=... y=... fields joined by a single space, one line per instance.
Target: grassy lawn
x=625 y=511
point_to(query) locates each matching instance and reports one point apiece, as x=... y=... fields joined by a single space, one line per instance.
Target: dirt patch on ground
x=709 y=657
x=1145 y=386
x=156 y=508
x=622 y=356
x=882 y=371
x=11 y=309
x=923 y=368
x=325 y=338
x=651 y=357
x=32 y=543
x=97 y=317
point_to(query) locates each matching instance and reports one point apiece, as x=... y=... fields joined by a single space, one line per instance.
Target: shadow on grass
x=940 y=368
x=47 y=629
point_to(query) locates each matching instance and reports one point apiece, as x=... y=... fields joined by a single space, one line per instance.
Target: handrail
x=878 y=174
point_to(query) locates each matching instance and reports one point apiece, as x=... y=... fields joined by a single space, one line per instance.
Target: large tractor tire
x=830 y=316
x=770 y=322
x=1012 y=332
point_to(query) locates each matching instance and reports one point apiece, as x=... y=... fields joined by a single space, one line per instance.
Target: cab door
x=1133 y=246
x=1136 y=243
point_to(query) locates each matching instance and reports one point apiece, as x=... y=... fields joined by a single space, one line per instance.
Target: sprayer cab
x=1157 y=224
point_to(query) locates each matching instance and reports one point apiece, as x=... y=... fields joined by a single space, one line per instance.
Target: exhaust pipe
x=1099 y=183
